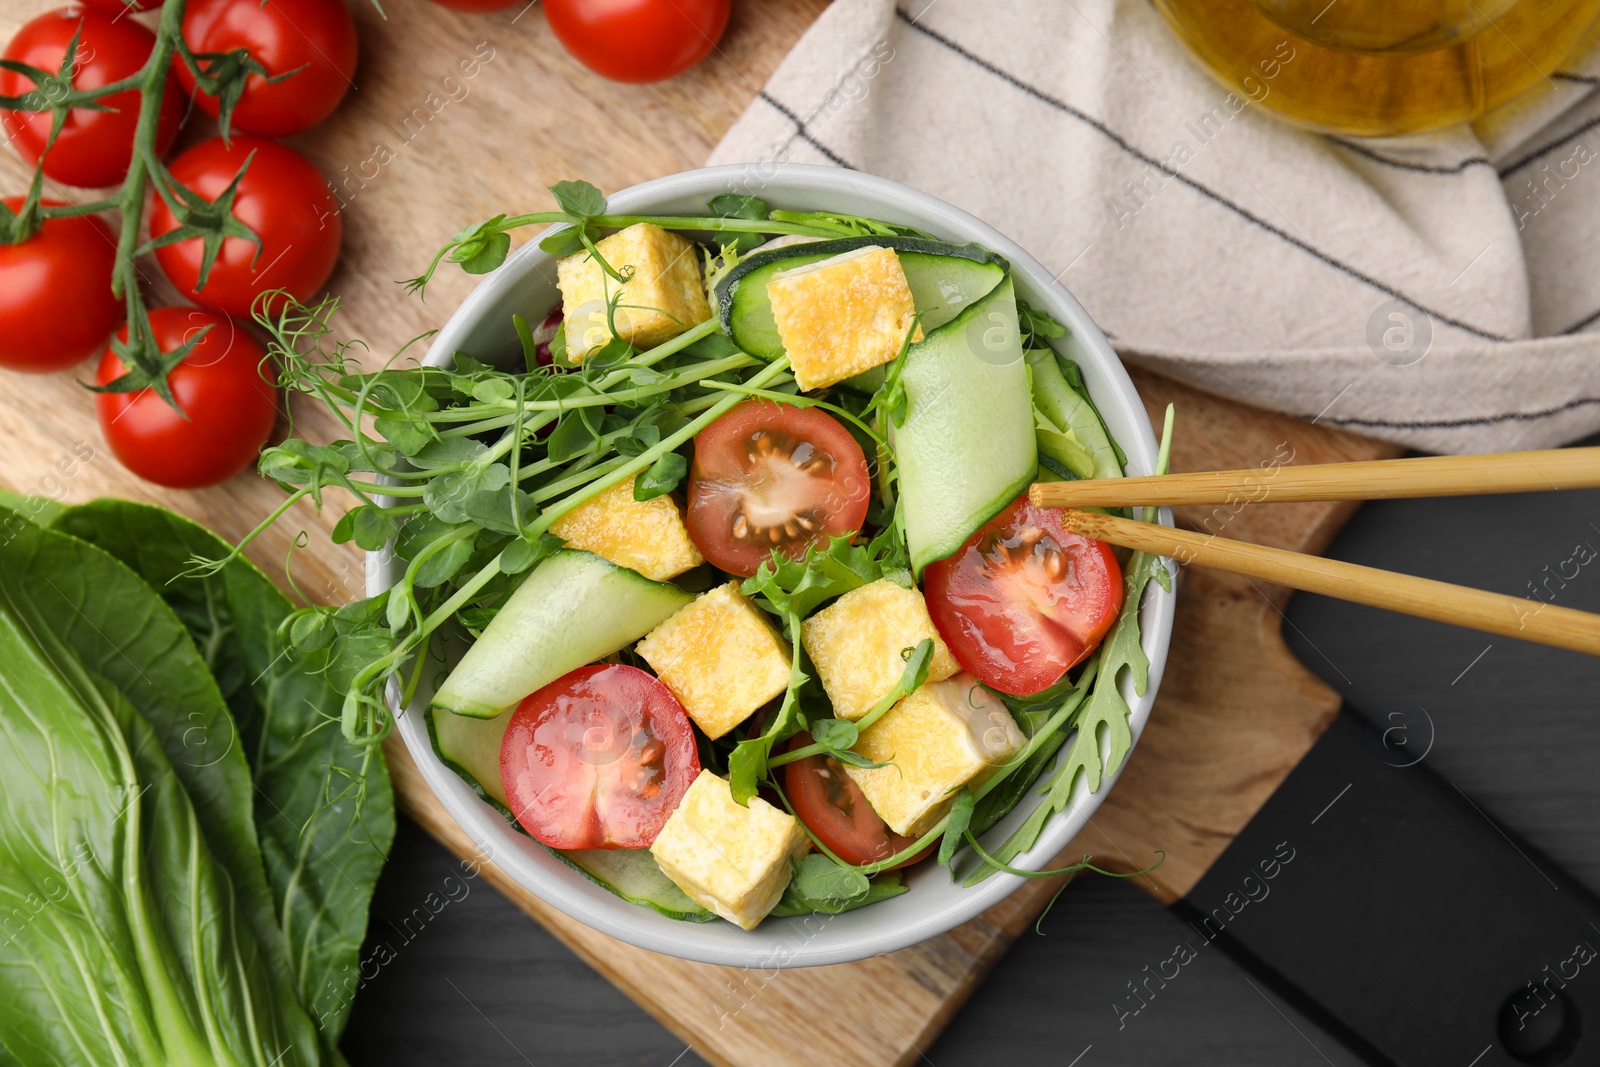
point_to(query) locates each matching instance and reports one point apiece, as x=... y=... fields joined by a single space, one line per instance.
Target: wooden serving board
x=423 y=147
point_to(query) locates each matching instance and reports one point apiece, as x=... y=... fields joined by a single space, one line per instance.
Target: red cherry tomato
x=94 y=147
x=283 y=199
x=56 y=307
x=833 y=807
x=769 y=475
x=478 y=7
x=598 y=759
x=638 y=40
x=316 y=36
x=220 y=386
x=1024 y=600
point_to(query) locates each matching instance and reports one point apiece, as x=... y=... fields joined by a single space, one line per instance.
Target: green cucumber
x=967 y=447
x=944 y=279
x=1068 y=427
x=471 y=748
x=634 y=875
x=573 y=609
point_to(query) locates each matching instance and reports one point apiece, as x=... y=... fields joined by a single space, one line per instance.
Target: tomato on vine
x=94 y=147
x=314 y=39
x=642 y=41
x=228 y=405
x=56 y=307
x=118 y=8
x=281 y=198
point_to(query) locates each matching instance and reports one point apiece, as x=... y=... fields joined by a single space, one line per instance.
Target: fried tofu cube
x=856 y=641
x=644 y=535
x=732 y=859
x=662 y=297
x=720 y=657
x=940 y=738
x=842 y=316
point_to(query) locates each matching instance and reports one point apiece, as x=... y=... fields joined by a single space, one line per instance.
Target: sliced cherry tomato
x=314 y=38
x=598 y=759
x=56 y=307
x=228 y=405
x=1024 y=600
x=769 y=475
x=833 y=807
x=95 y=146
x=282 y=198
x=638 y=40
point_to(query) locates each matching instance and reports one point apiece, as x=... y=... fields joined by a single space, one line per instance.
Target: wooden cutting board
x=421 y=149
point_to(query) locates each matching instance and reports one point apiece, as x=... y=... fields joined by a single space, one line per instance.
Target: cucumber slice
x=573 y=609
x=471 y=748
x=633 y=875
x=943 y=278
x=967 y=448
x=1070 y=412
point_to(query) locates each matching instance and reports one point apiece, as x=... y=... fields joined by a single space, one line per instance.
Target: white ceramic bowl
x=526 y=284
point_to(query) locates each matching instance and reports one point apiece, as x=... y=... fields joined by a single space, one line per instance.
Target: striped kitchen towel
x=1441 y=291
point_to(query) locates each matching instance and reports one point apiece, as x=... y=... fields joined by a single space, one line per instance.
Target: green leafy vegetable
x=112 y=724
x=323 y=806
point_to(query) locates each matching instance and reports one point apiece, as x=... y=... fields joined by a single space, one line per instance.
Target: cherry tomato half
x=769 y=475
x=56 y=307
x=230 y=406
x=1024 y=600
x=833 y=807
x=599 y=758
x=315 y=38
x=638 y=40
x=283 y=199
x=95 y=146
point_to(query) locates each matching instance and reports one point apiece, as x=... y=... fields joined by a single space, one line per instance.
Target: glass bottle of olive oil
x=1376 y=68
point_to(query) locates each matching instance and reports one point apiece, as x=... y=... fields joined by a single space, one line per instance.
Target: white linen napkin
x=1441 y=291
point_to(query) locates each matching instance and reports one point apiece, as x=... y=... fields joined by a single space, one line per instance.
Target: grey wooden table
x=1517 y=727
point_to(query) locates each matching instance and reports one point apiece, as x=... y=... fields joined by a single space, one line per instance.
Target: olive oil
x=1377 y=68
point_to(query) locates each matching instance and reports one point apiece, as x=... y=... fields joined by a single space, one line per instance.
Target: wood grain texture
x=421 y=149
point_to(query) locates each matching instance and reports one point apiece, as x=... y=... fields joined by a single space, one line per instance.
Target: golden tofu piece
x=939 y=738
x=856 y=641
x=663 y=296
x=843 y=315
x=731 y=859
x=720 y=657
x=645 y=535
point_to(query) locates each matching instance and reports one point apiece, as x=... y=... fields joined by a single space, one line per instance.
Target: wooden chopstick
x=1495 y=613
x=1502 y=472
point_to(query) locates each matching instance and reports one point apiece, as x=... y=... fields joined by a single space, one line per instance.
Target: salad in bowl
x=705 y=588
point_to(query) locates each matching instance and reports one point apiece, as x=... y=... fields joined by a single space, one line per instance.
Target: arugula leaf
x=1038 y=328
x=882 y=887
x=955 y=826
x=820 y=879
x=323 y=806
x=800 y=587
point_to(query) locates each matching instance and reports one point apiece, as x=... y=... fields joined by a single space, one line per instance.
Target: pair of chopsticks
x=1496 y=613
